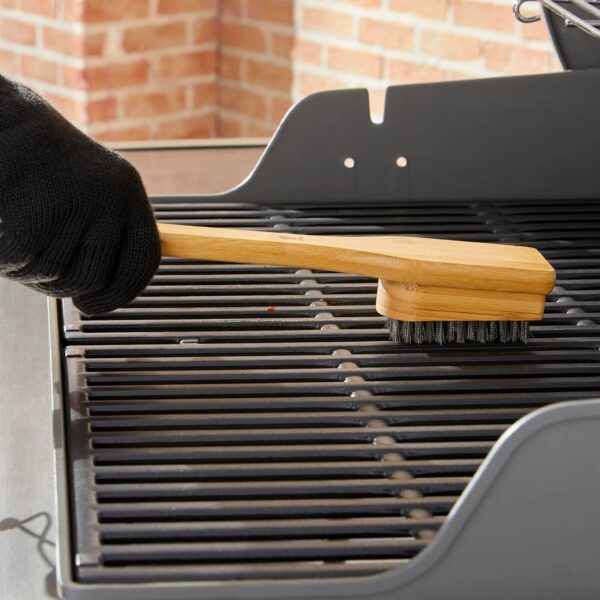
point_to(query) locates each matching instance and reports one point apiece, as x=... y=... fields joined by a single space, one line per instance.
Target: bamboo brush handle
x=442 y=263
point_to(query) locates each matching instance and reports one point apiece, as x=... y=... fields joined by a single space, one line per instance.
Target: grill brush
x=430 y=290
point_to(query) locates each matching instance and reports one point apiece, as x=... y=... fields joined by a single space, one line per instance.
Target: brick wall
x=120 y=69
x=143 y=69
x=44 y=46
x=376 y=43
x=255 y=65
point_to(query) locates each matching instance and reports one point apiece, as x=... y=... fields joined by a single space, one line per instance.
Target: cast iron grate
x=246 y=422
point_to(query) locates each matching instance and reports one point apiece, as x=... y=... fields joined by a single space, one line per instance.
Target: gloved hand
x=74 y=216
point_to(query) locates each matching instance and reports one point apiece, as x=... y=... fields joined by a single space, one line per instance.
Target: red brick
x=282 y=44
x=117 y=75
x=154 y=103
x=102 y=109
x=244 y=102
x=402 y=71
x=94 y=44
x=17 y=32
x=233 y=8
x=309 y=83
x=308 y=52
x=382 y=33
x=150 y=37
x=73 y=77
x=8 y=3
x=71 y=108
x=205 y=94
x=69 y=43
x=269 y=76
x=170 y=7
x=484 y=15
x=38 y=68
x=187 y=63
x=364 y=3
x=279 y=108
x=100 y=11
x=229 y=128
x=73 y=10
x=205 y=31
x=230 y=67
x=516 y=60
x=326 y=21
x=8 y=61
x=356 y=61
x=244 y=37
x=45 y=8
x=451 y=46
x=275 y=11
x=260 y=130
x=430 y=9
x=123 y=134
x=189 y=127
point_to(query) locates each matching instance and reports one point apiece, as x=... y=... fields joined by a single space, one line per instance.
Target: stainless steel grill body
x=283 y=447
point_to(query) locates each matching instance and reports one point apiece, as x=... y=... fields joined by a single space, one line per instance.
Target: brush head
x=458 y=332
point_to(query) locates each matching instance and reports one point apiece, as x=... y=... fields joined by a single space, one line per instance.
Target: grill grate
x=284 y=436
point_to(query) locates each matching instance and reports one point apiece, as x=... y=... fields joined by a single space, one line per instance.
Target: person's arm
x=74 y=216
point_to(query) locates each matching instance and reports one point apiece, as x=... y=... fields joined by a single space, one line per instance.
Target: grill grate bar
x=254 y=571
x=271 y=508
x=274 y=489
x=187 y=421
x=384 y=527
x=148 y=553
x=224 y=472
x=274 y=453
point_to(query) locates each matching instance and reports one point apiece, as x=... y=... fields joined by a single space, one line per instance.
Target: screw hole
x=401 y=162
x=349 y=162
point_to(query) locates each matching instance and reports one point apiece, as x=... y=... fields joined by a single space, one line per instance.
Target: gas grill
x=246 y=431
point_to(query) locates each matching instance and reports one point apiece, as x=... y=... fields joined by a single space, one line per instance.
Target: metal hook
x=571 y=19
x=520 y=16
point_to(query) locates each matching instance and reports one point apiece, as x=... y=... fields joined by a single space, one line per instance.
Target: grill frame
x=434 y=571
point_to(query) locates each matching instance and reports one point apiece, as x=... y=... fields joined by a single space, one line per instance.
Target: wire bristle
x=459 y=332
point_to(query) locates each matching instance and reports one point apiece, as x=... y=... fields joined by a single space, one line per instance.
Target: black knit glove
x=74 y=217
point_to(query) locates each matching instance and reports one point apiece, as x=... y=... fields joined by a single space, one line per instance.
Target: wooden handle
x=442 y=263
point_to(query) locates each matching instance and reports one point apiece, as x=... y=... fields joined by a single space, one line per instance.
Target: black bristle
x=459 y=332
